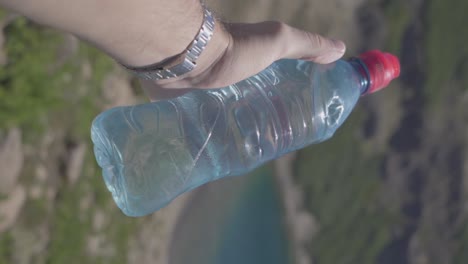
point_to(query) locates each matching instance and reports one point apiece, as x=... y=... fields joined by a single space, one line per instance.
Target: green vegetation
x=447 y=49
x=6 y=242
x=342 y=191
x=341 y=178
x=445 y=43
x=72 y=224
x=41 y=78
x=43 y=88
x=35 y=213
x=461 y=254
x=398 y=18
x=51 y=84
x=70 y=228
x=28 y=86
x=83 y=95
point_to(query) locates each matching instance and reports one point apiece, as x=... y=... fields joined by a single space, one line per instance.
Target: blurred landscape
x=390 y=187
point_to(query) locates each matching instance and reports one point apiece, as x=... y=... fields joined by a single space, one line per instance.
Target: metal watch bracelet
x=186 y=61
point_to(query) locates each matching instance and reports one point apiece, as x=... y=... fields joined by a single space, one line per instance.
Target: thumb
x=283 y=41
x=254 y=47
x=250 y=49
x=310 y=46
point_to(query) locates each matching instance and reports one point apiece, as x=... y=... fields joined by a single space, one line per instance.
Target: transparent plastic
x=153 y=152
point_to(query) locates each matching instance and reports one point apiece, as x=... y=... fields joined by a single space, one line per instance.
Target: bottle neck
x=364 y=75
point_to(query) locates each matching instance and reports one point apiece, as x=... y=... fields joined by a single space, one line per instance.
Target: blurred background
x=390 y=187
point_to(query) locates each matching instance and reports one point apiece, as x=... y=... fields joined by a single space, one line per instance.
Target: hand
x=143 y=32
x=238 y=51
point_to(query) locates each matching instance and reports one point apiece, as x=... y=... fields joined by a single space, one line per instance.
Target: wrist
x=150 y=35
x=210 y=57
x=185 y=65
x=207 y=44
x=184 y=62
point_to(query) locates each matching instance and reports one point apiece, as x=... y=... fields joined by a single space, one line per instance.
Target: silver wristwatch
x=186 y=61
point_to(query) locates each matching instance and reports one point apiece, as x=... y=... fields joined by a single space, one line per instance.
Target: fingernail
x=339 y=45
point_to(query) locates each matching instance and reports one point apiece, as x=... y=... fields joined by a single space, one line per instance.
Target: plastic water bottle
x=153 y=152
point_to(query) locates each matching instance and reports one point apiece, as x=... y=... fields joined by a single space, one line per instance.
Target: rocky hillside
x=54 y=207
x=390 y=187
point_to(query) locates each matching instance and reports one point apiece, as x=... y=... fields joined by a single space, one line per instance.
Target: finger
x=252 y=48
x=255 y=46
x=284 y=41
x=310 y=46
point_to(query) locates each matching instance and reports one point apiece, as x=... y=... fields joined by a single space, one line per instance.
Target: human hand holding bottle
x=143 y=32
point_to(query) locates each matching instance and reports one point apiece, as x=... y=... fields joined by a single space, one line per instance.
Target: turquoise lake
x=237 y=220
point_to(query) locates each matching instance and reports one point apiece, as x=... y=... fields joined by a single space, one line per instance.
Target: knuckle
x=279 y=34
x=276 y=29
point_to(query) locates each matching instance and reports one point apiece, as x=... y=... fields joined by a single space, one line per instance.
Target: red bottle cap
x=383 y=68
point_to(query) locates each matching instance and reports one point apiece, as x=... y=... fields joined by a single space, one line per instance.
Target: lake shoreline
x=301 y=226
